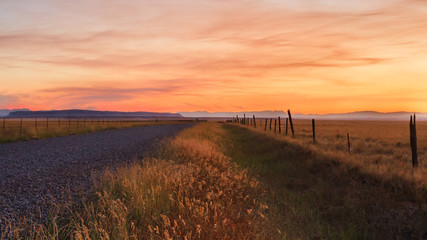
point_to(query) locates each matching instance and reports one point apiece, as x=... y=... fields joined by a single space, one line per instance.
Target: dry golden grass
x=190 y=190
x=379 y=148
x=320 y=193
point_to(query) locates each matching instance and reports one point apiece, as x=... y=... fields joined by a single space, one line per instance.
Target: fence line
x=412 y=128
x=12 y=127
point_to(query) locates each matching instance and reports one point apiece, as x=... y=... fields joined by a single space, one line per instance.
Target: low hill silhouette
x=90 y=113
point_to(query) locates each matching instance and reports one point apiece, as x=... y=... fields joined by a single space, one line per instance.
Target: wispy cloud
x=239 y=50
x=5 y=100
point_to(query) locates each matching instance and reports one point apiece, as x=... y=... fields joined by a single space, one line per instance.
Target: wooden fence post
x=59 y=121
x=265 y=129
x=4 y=124
x=254 y=121
x=290 y=121
x=244 y=119
x=410 y=132
x=271 y=120
x=35 y=122
x=77 y=122
x=314 y=130
x=20 y=127
x=69 y=122
x=280 y=127
x=275 y=124
x=287 y=126
x=47 y=123
x=348 y=143
x=413 y=136
x=237 y=116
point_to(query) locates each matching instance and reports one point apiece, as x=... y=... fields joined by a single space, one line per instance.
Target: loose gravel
x=36 y=173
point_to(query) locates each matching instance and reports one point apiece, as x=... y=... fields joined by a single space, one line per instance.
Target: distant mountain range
x=88 y=113
x=5 y=112
x=363 y=115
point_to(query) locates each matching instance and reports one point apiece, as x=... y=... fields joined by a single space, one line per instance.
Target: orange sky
x=311 y=56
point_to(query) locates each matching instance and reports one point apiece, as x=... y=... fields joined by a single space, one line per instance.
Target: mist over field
x=365 y=115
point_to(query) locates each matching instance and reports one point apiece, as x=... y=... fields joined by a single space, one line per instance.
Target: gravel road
x=34 y=173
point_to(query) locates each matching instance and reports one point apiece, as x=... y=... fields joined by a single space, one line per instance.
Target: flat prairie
x=379 y=146
x=320 y=191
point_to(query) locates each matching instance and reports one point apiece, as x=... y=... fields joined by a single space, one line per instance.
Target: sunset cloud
x=316 y=56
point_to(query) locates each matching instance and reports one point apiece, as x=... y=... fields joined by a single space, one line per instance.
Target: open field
x=381 y=148
x=16 y=129
x=327 y=194
x=388 y=138
x=226 y=181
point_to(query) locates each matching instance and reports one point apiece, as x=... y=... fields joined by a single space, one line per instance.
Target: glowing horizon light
x=168 y=56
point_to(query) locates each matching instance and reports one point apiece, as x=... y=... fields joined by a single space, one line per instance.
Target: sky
x=312 y=56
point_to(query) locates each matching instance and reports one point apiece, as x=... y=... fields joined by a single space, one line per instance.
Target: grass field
x=319 y=192
x=11 y=130
x=223 y=181
x=390 y=138
x=380 y=148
